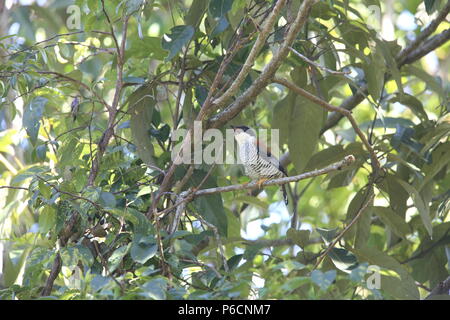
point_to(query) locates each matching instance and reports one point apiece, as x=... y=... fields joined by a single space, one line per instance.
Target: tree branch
x=56 y=267
x=256 y=88
x=402 y=55
x=364 y=206
x=113 y=109
x=409 y=55
x=267 y=73
x=428 y=46
x=375 y=163
x=353 y=101
x=318 y=66
x=348 y=160
x=249 y=62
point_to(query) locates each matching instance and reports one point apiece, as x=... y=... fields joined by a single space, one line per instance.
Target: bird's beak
x=233 y=127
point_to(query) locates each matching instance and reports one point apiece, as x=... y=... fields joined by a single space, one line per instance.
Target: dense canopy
x=94 y=98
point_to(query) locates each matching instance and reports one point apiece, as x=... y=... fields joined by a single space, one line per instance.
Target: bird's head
x=243 y=133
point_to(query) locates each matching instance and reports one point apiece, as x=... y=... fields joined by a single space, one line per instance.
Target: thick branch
x=267 y=73
x=249 y=62
x=56 y=268
x=428 y=46
x=424 y=34
x=256 y=88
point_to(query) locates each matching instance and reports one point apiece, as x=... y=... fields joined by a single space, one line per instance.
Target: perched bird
x=260 y=165
x=74 y=108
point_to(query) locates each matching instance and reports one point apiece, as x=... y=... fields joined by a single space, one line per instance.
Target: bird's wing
x=265 y=154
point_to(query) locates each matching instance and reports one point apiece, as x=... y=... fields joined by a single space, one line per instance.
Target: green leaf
x=290 y=265
x=45 y=190
x=71 y=256
x=325 y=157
x=360 y=231
x=218 y=8
x=411 y=102
x=196 y=12
x=282 y=115
x=161 y=134
x=430 y=259
x=327 y=234
x=139 y=221
x=188 y=109
x=254 y=201
x=41 y=151
x=147 y=47
x=323 y=280
x=141 y=107
x=132 y=6
x=306 y=120
x=294 y=283
x=47 y=219
x=422 y=207
x=392 y=220
x=11 y=271
x=251 y=251
x=299 y=237
x=143 y=248
x=69 y=152
x=6 y=140
x=65 y=51
x=32 y=115
x=343 y=259
x=234 y=261
x=430 y=81
x=401 y=286
x=389 y=49
x=342 y=179
x=154 y=289
x=374 y=71
x=116 y=258
x=221 y=25
x=322 y=10
x=107 y=199
x=174 y=42
x=441 y=158
x=210 y=207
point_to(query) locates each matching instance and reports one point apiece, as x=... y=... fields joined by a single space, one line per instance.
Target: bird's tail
x=285 y=196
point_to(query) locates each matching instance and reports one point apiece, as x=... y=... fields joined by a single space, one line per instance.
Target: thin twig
x=219 y=242
x=343 y=232
x=316 y=64
x=375 y=163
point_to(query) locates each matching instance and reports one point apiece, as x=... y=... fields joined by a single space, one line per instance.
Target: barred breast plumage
x=258 y=162
x=256 y=165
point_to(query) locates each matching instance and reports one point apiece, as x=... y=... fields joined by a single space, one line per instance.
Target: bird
x=259 y=164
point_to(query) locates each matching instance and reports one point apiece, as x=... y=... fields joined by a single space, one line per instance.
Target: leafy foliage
x=86 y=120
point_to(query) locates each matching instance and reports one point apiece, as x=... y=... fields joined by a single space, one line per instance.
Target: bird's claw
x=260 y=182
